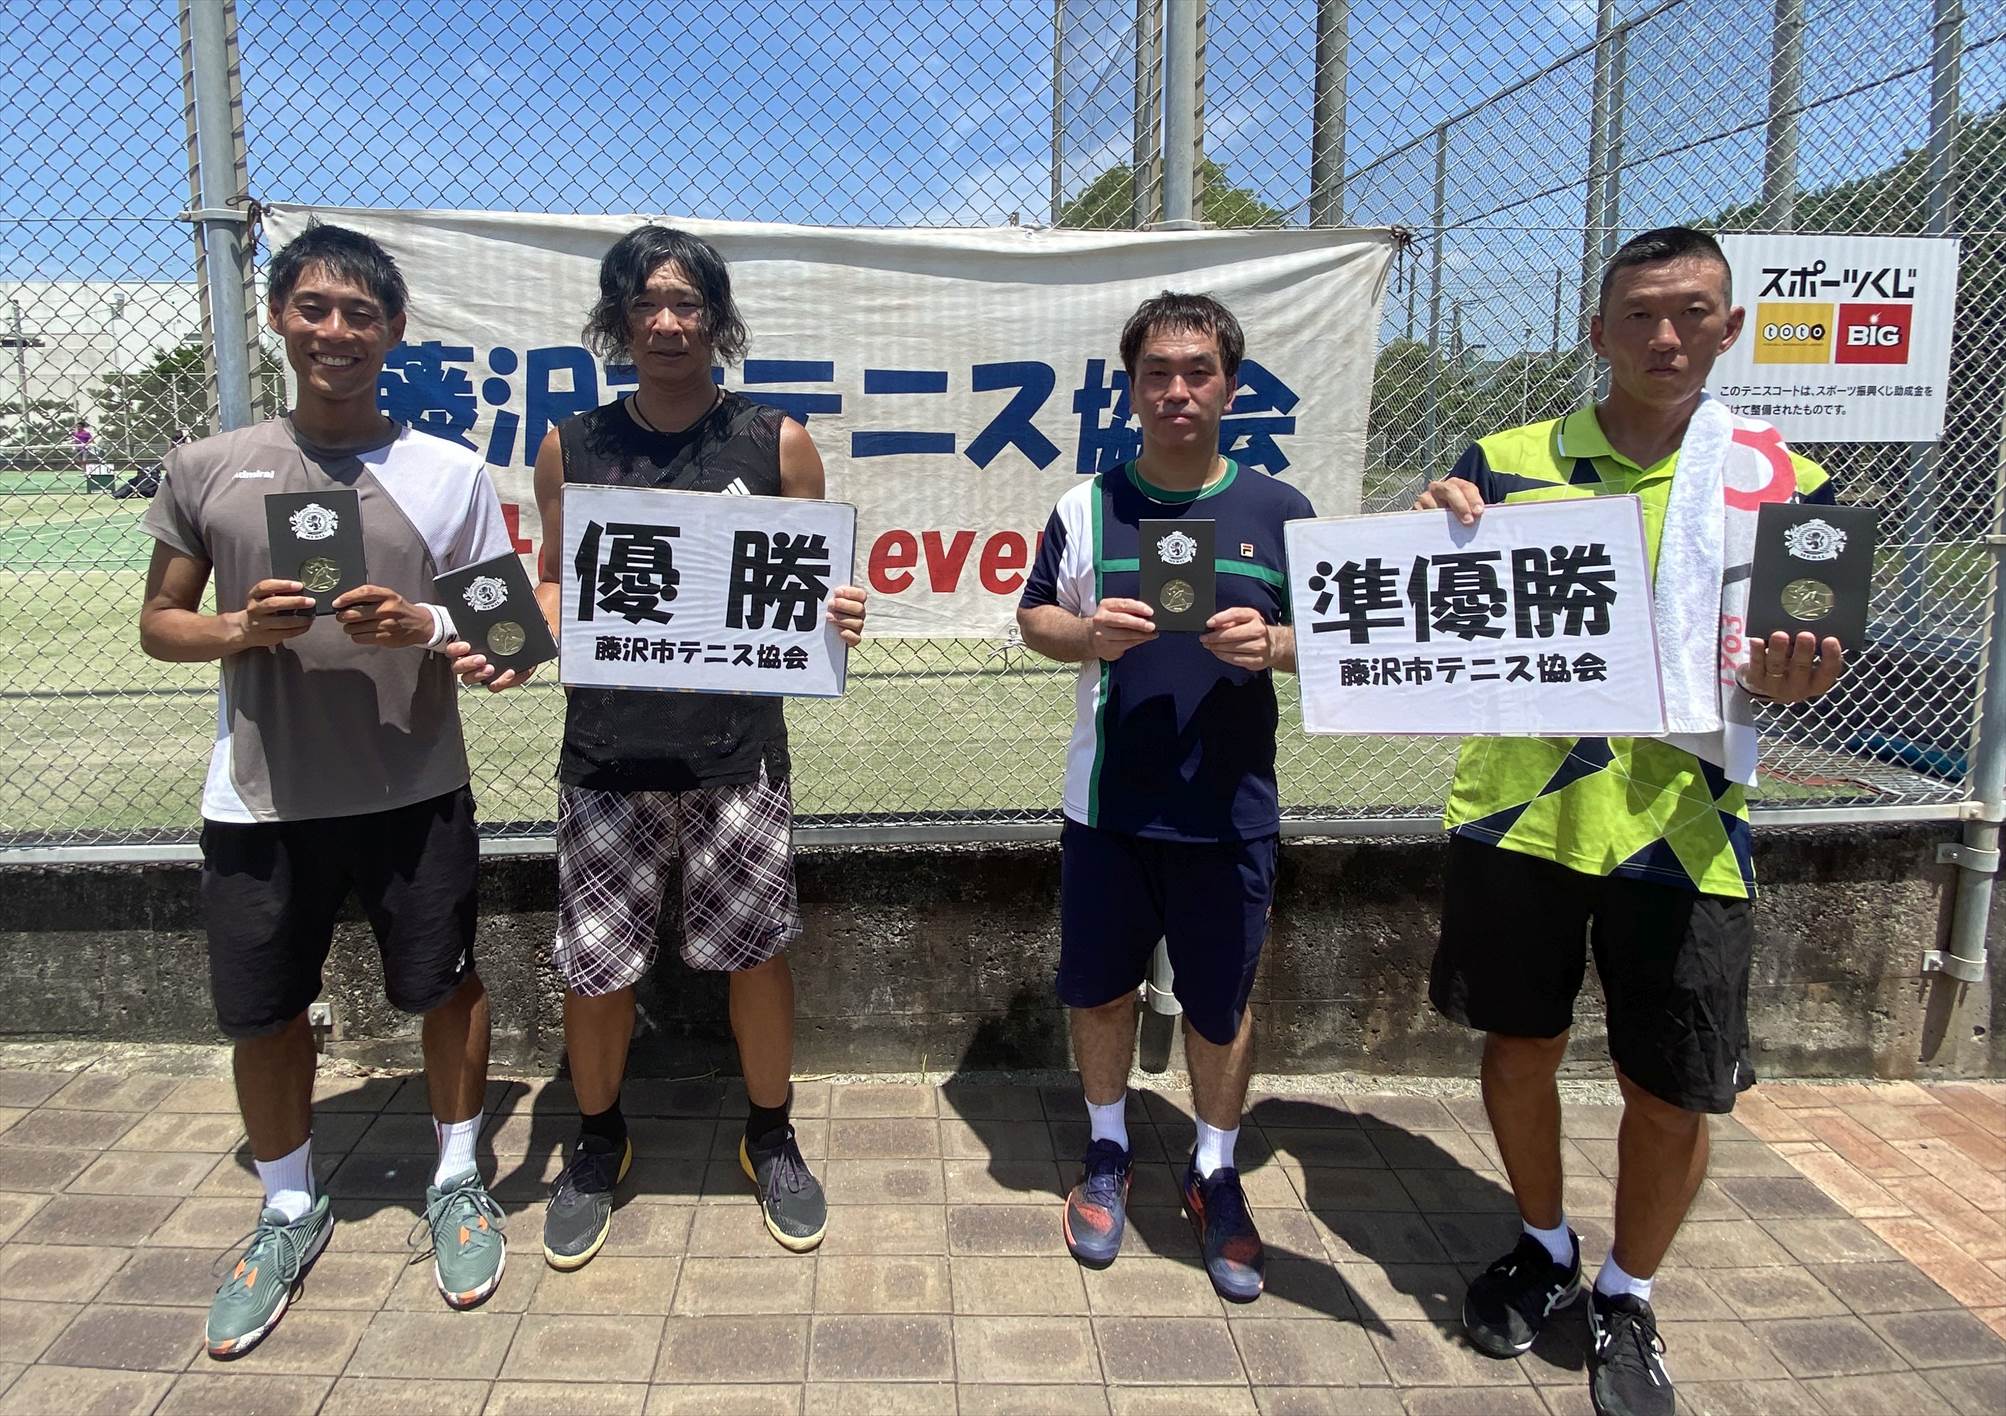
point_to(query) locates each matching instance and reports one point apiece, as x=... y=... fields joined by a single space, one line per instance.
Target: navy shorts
x=1119 y=894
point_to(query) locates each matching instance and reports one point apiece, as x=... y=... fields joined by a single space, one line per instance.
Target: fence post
x=1946 y=58
x=1329 y=113
x=1612 y=157
x=1438 y=218
x=217 y=178
x=1977 y=858
x=1148 y=161
x=1058 y=108
x=1180 y=112
x=20 y=342
x=1779 y=147
x=1594 y=217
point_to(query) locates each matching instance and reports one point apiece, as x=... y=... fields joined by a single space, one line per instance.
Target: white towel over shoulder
x=1728 y=466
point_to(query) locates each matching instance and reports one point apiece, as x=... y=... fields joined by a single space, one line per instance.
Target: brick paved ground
x=1847 y=1255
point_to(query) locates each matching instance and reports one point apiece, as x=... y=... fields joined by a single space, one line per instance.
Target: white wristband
x=442 y=627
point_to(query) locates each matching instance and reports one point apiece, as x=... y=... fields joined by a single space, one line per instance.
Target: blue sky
x=916 y=111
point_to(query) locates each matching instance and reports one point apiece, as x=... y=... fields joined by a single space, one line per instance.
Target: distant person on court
x=1635 y=847
x=675 y=792
x=1172 y=824
x=338 y=763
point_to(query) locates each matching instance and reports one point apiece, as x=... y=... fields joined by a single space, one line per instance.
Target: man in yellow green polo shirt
x=1636 y=847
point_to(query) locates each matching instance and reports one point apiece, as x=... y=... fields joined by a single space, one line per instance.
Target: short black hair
x=624 y=273
x=341 y=252
x=1171 y=313
x=1665 y=243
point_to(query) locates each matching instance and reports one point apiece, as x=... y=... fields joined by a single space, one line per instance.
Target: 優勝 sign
x=1535 y=622
x=702 y=592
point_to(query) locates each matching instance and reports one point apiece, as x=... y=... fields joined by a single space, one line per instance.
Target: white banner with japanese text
x=703 y=591
x=1847 y=337
x=956 y=382
x=1535 y=622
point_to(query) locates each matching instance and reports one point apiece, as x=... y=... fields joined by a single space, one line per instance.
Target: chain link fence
x=1518 y=143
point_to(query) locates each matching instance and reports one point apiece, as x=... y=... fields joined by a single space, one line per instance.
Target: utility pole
x=20 y=343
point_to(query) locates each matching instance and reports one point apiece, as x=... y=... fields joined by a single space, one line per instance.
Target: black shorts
x=1673 y=963
x=1208 y=901
x=271 y=891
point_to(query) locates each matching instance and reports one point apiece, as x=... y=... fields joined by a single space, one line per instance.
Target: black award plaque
x=316 y=539
x=494 y=609
x=1179 y=579
x=1813 y=573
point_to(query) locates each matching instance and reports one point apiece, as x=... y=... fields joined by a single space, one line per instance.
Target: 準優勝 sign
x=1535 y=622
x=697 y=591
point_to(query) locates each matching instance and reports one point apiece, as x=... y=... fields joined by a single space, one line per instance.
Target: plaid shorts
x=613 y=850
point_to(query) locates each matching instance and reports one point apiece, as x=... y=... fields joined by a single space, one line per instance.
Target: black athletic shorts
x=1674 y=967
x=271 y=891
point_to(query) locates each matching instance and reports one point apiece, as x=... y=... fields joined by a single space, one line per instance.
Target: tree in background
x=1108 y=202
x=139 y=413
x=44 y=430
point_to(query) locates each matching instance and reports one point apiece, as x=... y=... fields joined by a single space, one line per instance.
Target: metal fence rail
x=1519 y=143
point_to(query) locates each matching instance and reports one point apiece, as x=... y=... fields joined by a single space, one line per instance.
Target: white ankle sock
x=1110 y=1122
x=456 y=1146
x=288 y=1181
x=1559 y=1243
x=1215 y=1149
x=1612 y=1282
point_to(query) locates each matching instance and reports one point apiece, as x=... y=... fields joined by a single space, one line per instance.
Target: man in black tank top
x=647 y=777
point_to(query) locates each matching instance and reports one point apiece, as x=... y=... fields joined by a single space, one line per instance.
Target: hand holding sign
x=1453 y=494
x=846 y=612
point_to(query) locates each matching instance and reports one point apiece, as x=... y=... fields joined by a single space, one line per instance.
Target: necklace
x=634 y=406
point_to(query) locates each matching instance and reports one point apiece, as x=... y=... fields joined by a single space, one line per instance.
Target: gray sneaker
x=468 y=1251
x=254 y=1297
x=797 y=1213
x=580 y=1211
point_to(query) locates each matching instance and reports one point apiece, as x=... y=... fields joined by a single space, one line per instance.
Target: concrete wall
x=941 y=958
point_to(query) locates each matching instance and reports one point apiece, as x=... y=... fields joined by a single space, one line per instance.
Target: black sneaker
x=1096 y=1214
x=1625 y=1377
x=1510 y=1301
x=581 y=1201
x=797 y=1213
x=1234 y=1258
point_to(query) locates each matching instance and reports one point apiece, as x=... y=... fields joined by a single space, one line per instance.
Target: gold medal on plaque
x=506 y=637
x=320 y=573
x=1808 y=599
x=1178 y=596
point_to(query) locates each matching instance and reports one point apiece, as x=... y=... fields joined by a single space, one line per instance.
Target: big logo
x=1873 y=334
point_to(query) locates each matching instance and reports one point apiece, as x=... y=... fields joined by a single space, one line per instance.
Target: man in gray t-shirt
x=338 y=763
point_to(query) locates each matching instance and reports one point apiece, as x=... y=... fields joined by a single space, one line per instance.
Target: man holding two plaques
x=338 y=761
x=659 y=790
x=1636 y=847
x=1163 y=579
